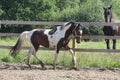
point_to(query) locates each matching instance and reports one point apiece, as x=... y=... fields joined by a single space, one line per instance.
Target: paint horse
x=110 y=30
x=57 y=38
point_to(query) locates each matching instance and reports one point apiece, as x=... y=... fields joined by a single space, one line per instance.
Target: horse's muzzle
x=78 y=39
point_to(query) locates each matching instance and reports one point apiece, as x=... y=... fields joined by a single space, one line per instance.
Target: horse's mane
x=52 y=31
x=61 y=27
x=65 y=24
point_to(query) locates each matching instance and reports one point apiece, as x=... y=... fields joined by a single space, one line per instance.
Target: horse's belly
x=53 y=43
x=54 y=40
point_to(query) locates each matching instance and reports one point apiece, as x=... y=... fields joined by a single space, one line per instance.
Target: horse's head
x=77 y=32
x=108 y=13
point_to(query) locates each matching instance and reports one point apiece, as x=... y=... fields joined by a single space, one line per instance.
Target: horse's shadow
x=16 y=66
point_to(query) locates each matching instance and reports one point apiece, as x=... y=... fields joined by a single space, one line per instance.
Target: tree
x=55 y=10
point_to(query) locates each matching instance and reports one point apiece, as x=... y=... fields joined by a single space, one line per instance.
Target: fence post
x=73 y=47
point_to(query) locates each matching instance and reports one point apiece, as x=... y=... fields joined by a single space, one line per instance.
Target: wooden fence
x=57 y=23
x=60 y=23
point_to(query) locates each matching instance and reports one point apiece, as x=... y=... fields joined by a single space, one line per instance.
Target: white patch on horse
x=27 y=35
x=54 y=38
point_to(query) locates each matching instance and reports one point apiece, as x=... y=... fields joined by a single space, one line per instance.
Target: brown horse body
x=110 y=30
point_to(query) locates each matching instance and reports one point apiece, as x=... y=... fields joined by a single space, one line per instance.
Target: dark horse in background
x=50 y=38
x=110 y=30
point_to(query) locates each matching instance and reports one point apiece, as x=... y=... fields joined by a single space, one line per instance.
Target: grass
x=84 y=59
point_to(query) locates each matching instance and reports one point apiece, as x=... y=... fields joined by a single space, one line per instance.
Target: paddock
x=20 y=71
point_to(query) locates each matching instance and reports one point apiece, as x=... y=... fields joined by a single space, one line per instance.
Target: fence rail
x=83 y=37
x=58 y=23
x=9 y=34
x=76 y=49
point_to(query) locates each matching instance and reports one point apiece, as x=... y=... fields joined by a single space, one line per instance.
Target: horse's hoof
x=74 y=68
x=53 y=64
x=29 y=67
x=54 y=68
x=44 y=68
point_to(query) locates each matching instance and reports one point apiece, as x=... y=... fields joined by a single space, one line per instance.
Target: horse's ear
x=79 y=25
x=110 y=7
x=104 y=8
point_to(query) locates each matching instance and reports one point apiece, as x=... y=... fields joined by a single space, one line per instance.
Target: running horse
x=56 y=38
x=110 y=30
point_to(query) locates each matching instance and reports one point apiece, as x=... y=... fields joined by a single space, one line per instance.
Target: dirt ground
x=22 y=72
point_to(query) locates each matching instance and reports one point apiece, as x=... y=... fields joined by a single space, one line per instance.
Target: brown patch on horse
x=39 y=38
x=52 y=31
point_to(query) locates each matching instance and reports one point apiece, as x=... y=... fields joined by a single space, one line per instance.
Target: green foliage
x=55 y=10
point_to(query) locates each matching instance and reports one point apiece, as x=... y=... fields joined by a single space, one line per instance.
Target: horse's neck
x=67 y=34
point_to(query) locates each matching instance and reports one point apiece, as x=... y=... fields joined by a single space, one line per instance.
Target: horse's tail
x=15 y=49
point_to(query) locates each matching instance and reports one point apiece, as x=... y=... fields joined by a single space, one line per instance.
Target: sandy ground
x=22 y=72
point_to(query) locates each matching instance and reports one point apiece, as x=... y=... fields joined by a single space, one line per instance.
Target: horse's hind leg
x=114 y=43
x=42 y=64
x=28 y=57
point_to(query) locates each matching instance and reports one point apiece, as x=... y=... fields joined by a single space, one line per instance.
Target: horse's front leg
x=27 y=61
x=73 y=56
x=42 y=64
x=107 y=43
x=56 y=57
